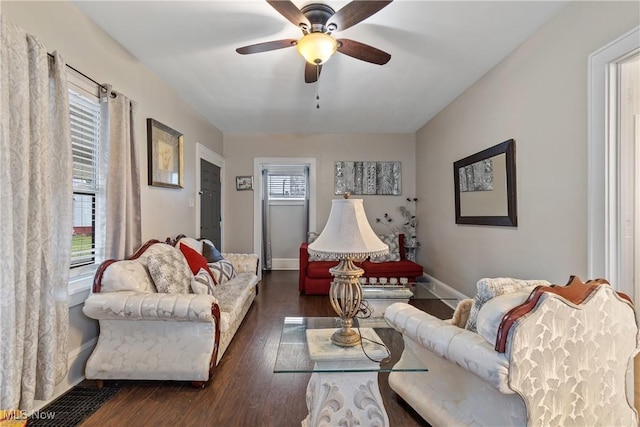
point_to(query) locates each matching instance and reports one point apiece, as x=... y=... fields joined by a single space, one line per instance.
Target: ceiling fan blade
x=311 y=72
x=266 y=46
x=355 y=12
x=363 y=52
x=290 y=11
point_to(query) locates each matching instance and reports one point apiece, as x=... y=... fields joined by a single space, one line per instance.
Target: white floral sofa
x=149 y=335
x=548 y=356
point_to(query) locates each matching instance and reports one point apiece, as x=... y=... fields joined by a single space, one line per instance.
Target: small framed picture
x=244 y=183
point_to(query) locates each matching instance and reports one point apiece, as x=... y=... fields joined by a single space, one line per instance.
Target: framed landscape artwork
x=165 y=155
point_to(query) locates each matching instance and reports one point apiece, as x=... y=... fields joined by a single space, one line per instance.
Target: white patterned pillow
x=203 y=283
x=493 y=311
x=222 y=270
x=311 y=237
x=393 y=241
x=170 y=272
x=491 y=288
x=127 y=275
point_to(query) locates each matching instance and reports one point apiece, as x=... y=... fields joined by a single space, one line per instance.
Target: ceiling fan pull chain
x=317 y=87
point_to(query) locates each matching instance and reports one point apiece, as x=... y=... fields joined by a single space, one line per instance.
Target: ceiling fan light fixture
x=317 y=48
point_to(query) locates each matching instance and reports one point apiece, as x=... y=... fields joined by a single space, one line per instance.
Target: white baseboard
x=285 y=264
x=443 y=290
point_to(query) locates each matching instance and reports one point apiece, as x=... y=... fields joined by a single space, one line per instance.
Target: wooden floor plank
x=244 y=391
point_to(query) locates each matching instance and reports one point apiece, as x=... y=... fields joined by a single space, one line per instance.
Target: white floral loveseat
x=548 y=356
x=151 y=335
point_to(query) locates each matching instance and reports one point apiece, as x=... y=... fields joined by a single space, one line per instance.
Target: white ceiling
x=438 y=49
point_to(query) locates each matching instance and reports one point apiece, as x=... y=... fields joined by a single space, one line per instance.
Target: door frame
x=257 y=193
x=204 y=153
x=603 y=191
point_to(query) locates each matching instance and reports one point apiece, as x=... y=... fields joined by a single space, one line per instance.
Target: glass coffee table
x=379 y=297
x=343 y=389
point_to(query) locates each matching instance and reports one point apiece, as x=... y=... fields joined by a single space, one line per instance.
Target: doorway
x=210 y=203
x=284 y=260
x=209 y=200
x=614 y=169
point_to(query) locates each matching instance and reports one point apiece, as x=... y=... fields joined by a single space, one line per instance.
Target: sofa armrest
x=129 y=305
x=304 y=256
x=467 y=349
x=243 y=263
x=304 y=262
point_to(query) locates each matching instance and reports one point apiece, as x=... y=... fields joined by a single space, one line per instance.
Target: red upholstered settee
x=315 y=278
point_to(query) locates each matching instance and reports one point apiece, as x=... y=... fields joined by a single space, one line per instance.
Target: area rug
x=73 y=407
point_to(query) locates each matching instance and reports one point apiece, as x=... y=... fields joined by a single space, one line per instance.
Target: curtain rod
x=82 y=74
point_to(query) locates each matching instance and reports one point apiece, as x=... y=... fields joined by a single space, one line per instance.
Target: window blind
x=287 y=182
x=85 y=139
x=85 y=117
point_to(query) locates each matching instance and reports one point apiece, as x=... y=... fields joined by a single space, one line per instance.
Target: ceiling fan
x=317 y=22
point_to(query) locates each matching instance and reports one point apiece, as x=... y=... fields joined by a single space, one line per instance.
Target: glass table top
x=293 y=350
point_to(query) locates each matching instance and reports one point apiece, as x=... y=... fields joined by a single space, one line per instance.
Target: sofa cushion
x=170 y=272
x=203 y=283
x=461 y=313
x=223 y=271
x=490 y=288
x=196 y=261
x=491 y=314
x=312 y=236
x=231 y=296
x=194 y=244
x=320 y=269
x=210 y=252
x=128 y=275
x=393 y=241
x=402 y=268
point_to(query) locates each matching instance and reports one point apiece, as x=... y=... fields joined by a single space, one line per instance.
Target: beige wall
x=241 y=149
x=61 y=26
x=538 y=96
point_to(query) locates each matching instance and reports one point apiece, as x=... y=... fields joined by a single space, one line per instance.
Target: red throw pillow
x=195 y=260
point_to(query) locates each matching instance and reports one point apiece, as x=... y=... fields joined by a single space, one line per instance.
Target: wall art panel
x=368 y=178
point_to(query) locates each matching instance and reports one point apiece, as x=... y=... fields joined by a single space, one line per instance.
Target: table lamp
x=347 y=237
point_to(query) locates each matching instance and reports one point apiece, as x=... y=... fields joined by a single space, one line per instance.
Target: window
x=287 y=182
x=289 y=187
x=85 y=116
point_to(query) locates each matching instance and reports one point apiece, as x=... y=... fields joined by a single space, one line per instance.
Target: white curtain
x=123 y=228
x=35 y=215
x=266 y=222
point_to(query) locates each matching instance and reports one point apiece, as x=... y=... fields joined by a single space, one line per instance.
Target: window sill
x=79 y=289
x=286 y=202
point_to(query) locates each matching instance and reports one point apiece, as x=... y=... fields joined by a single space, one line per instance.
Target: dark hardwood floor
x=244 y=391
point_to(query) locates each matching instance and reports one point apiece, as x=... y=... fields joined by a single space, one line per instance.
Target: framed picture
x=244 y=183
x=381 y=178
x=166 y=164
x=485 y=187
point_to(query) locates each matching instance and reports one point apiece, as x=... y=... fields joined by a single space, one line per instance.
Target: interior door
x=210 y=203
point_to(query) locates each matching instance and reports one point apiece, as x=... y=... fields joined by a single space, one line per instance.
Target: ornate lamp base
x=345 y=295
x=345 y=336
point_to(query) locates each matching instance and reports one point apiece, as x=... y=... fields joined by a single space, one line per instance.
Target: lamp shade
x=348 y=233
x=317 y=48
